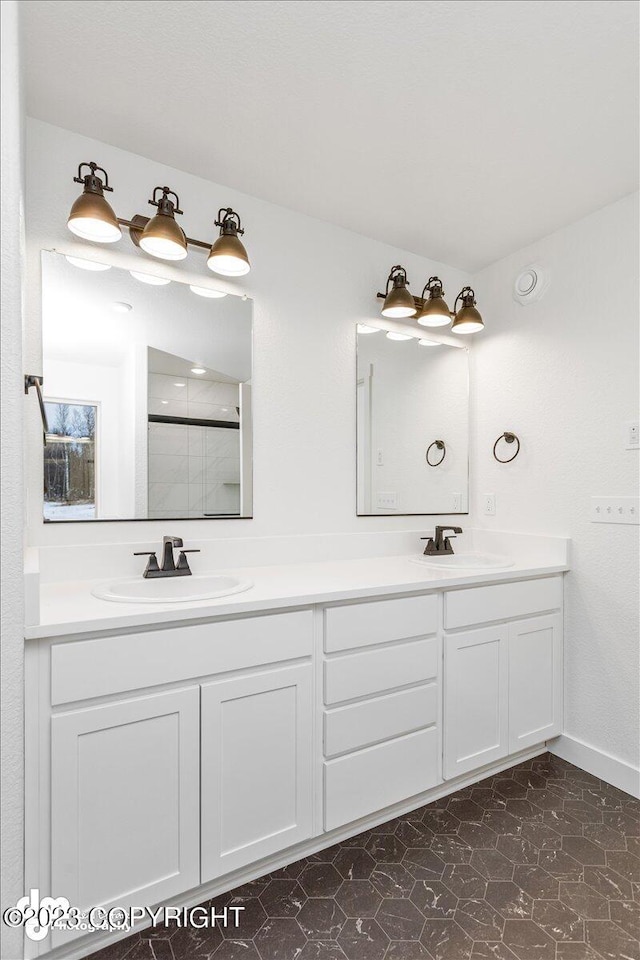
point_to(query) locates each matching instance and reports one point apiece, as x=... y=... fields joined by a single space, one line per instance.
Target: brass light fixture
x=228 y=256
x=431 y=308
x=91 y=217
x=435 y=312
x=398 y=302
x=162 y=237
x=467 y=319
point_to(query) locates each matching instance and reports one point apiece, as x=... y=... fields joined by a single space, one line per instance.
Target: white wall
x=12 y=405
x=311 y=283
x=563 y=374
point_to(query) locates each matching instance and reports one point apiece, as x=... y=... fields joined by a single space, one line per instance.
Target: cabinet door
x=475 y=699
x=535 y=681
x=256 y=767
x=125 y=801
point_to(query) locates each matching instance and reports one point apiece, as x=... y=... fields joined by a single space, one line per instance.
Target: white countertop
x=68 y=608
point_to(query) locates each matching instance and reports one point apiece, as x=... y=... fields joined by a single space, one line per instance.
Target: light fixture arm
x=229 y=222
x=468 y=297
x=434 y=286
x=164 y=204
x=395 y=272
x=92 y=183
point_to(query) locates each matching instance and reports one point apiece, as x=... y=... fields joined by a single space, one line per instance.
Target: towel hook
x=439 y=445
x=508 y=437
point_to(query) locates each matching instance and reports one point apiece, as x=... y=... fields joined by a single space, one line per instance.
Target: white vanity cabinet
x=503 y=682
x=125 y=781
x=256 y=767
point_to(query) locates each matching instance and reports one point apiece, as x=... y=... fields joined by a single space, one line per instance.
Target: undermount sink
x=170 y=589
x=467 y=561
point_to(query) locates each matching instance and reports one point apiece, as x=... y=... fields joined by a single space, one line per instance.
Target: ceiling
x=458 y=130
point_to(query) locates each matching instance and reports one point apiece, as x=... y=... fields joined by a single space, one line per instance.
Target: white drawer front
x=375 y=778
x=93 y=668
x=362 y=724
x=502 y=601
x=374 y=671
x=365 y=624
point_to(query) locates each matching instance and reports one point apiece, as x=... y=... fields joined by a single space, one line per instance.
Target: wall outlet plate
x=489 y=504
x=386 y=500
x=615 y=510
x=632 y=435
x=457 y=502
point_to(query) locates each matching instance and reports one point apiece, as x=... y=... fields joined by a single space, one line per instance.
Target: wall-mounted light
x=162 y=237
x=398 y=302
x=467 y=319
x=228 y=255
x=431 y=310
x=435 y=312
x=92 y=218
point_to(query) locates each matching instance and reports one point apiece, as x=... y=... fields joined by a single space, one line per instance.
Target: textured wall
x=563 y=374
x=12 y=484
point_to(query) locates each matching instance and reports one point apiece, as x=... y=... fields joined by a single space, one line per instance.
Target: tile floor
x=540 y=862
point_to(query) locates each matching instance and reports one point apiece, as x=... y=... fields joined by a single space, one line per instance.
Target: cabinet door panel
x=125 y=801
x=256 y=767
x=476 y=706
x=535 y=681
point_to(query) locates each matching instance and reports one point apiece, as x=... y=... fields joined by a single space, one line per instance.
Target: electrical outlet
x=380 y=458
x=615 y=510
x=489 y=501
x=387 y=500
x=633 y=435
x=457 y=502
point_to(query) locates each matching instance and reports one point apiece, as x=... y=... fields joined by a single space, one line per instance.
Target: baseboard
x=617 y=772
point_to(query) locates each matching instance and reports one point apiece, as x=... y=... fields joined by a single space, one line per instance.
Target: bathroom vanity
x=178 y=750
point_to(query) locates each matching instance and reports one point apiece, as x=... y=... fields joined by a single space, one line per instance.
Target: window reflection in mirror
x=148 y=395
x=408 y=397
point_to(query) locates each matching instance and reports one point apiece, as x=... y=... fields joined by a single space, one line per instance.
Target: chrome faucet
x=438 y=544
x=169 y=567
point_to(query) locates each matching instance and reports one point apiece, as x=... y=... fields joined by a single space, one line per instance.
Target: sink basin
x=467 y=561
x=170 y=589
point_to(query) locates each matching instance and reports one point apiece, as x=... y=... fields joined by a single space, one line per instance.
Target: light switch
x=615 y=510
x=387 y=500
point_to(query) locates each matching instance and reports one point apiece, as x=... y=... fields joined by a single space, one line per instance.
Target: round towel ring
x=508 y=438
x=439 y=445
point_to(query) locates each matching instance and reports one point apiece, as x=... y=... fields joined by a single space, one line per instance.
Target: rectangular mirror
x=412 y=403
x=147 y=389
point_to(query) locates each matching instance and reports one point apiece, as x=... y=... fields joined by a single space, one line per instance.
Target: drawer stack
x=381 y=674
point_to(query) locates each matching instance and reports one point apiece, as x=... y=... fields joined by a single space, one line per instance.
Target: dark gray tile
x=605 y=837
x=545 y=799
x=608 y=883
x=528 y=941
x=518 y=849
x=464 y=881
x=187 y=942
x=321 y=950
x=478 y=836
x=280 y=939
x=354 y=863
x=385 y=847
x=524 y=810
x=562 y=823
x=358 y=898
x=363 y=939
x=582 y=811
x=536 y=882
x=558 y=920
x=451 y=849
x=235 y=950
x=465 y=809
x=502 y=822
x=407 y=950
x=625 y=864
x=320 y=880
x=583 y=850
x=479 y=920
x=542 y=836
x=414 y=833
x=392 y=880
x=586 y=901
x=400 y=919
x=492 y=864
x=434 y=900
x=445 y=940
x=560 y=865
x=610 y=941
x=510 y=788
x=321 y=918
x=440 y=821
x=491 y=950
x=423 y=863
x=575 y=951
x=283 y=898
x=509 y=899
x=626 y=913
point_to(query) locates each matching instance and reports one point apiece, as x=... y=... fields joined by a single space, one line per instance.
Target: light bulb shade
x=434 y=313
x=399 y=303
x=163 y=238
x=467 y=320
x=228 y=257
x=92 y=218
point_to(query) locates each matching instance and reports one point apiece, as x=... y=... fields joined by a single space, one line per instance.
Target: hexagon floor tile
x=540 y=862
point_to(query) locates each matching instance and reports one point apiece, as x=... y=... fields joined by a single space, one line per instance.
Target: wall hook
x=508 y=437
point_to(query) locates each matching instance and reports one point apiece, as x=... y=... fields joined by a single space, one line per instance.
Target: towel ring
x=439 y=445
x=508 y=437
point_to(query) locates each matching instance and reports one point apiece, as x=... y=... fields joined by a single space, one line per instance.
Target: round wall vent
x=530 y=284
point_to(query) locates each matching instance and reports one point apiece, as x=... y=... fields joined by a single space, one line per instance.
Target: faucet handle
x=152 y=562
x=183 y=563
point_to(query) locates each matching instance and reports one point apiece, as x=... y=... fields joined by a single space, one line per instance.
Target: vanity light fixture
x=467 y=319
x=432 y=311
x=87 y=264
x=435 y=312
x=398 y=302
x=207 y=292
x=162 y=237
x=228 y=255
x=91 y=217
x=149 y=278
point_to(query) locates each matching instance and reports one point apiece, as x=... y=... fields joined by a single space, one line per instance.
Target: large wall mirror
x=412 y=426
x=147 y=389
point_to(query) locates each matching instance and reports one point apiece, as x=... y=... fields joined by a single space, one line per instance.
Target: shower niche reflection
x=147 y=389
